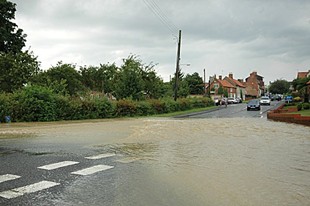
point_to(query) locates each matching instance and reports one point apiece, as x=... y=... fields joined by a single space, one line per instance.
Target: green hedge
x=35 y=103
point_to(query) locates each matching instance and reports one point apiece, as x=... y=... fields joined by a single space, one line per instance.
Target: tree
x=12 y=38
x=300 y=85
x=195 y=83
x=129 y=82
x=182 y=85
x=99 y=79
x=16 y=70
x=63 y=79
x=279 y=87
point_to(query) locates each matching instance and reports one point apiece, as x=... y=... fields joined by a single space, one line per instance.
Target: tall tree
x=195 y=83
x=16 y=70
x=129 y=82
x=67 y=75
x=280 y=86
x=12 y=38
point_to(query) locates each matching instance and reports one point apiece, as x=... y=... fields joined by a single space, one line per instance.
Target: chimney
x=220 y=77
x=240 y=80
x=231 y=75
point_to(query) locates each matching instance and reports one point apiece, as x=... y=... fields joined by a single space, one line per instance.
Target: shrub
x=184 y=104
x=306 y=105
x=159 y=106
x=126 y=107
x=5 y=106
x=171 y=105
x=34 y=103
x=144 y=108
x=299 y=106
x=104 y=107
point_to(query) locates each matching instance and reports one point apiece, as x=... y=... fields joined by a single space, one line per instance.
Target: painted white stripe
x=9 y=194
x=92 y=170
x=7 y=177
x=58 y=165
x=100 y=156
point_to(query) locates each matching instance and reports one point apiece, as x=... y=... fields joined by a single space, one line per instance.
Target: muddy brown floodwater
x=239 y=161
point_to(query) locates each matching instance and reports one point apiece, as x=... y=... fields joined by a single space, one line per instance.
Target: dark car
x=253 y=105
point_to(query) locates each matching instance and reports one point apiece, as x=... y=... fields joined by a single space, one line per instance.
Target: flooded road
x=163 y=161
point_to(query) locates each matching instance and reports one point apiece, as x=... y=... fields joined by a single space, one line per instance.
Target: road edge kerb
x=281 y=115
x=197 y=113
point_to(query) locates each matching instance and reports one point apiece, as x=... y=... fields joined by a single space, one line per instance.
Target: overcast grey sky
x=271 y=37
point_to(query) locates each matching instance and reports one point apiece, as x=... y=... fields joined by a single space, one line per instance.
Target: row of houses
x=252 y=87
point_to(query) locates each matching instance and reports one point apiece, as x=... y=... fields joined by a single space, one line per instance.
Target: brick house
x=240 y=87
x=255 y=86
x=216 y=83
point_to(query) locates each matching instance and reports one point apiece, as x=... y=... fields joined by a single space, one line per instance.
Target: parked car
x=264 y=100
x=239 y=100
x=253 y=105
x=231 y=100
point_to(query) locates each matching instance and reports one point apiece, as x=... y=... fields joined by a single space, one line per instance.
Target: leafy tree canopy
x=195 y=83
x=279 y=87
x=12 y=38
x=16 y=70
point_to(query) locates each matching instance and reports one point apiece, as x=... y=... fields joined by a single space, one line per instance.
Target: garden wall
x=282 y=115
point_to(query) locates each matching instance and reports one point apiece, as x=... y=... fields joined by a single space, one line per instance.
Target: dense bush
x=299 y=106
x=5 y=106
x=36 y=103
x=126 y=107
x=306 y=105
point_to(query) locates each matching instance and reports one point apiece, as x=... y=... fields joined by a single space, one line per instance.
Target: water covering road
x=161 y=161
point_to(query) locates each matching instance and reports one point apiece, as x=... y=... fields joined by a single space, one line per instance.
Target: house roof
x=225 y=83
x=302 y=74
x=236 y=82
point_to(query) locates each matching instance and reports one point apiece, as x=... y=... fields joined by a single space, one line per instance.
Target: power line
x=157 y=11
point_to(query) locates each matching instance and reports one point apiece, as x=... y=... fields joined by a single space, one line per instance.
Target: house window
x=216 y=86
x=231 y=90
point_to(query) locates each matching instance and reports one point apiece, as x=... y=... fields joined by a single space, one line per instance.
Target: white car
x=264 y=101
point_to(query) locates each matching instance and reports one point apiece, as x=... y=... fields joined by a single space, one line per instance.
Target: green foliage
x=306 y=106
x=300 y=85
x=62 y=79
x=195 y=83
x=299 y=106
x=126 y=107
x=16 y=69
x=279 y=87
x=34 y=103
x=5 y=105
x=12 y=39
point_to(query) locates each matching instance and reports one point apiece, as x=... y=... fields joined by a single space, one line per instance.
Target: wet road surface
x=156 y=161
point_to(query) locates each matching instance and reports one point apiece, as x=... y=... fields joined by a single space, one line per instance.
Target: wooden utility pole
x=176 y=83
x=204 y=82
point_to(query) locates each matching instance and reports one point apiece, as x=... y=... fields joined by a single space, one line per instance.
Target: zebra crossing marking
x=100 y=156
x=92 y=170
x=58 y=165
x=7 y=177
x=13 y=193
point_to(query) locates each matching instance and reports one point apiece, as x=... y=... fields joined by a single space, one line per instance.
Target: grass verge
x=302 y=112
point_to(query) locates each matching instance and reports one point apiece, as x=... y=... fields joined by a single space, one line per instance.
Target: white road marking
x=9 y=194
x=7 y=177
x=96 y=157
x=92 y=170
x=58 y=165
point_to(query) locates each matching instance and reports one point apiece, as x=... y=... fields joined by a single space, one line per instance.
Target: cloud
x=223 y=36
